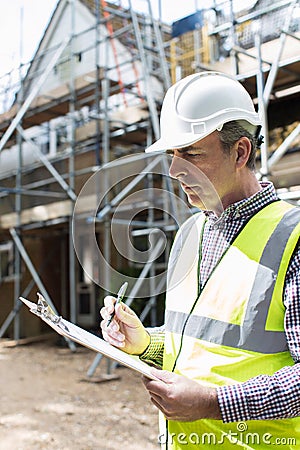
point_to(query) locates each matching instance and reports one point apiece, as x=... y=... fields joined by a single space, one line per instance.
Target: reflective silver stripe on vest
x=251 y=335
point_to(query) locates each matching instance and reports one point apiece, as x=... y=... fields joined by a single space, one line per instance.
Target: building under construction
x=82 y=207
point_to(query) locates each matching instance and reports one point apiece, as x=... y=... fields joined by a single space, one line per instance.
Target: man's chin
x=194 y=200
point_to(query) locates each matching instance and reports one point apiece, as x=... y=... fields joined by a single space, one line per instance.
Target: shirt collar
x=248 y=206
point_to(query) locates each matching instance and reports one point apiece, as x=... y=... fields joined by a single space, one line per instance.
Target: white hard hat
x=199 y=104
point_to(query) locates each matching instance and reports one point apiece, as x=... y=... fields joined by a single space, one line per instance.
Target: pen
x=120 y=297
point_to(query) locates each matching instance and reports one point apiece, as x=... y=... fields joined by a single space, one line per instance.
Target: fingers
x=157 y=401
x=109 y=306
x=125 y=330
x=162 y=375
x=117 y=340
x=107 y=309
x=159 y=394
x=125 y=315
x=122 y=312
x=122 y=309
x=112 y=332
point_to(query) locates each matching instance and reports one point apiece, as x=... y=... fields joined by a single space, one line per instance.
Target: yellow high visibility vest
x=233 y=328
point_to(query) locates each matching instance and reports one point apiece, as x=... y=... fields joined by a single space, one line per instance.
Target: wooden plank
x=10 y=343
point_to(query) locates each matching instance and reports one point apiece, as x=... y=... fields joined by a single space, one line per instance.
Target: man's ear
x=243 y=150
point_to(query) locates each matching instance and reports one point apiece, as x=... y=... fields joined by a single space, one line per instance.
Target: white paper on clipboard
x=83 y=337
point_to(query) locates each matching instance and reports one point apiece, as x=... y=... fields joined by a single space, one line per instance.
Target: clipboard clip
x=44 y=310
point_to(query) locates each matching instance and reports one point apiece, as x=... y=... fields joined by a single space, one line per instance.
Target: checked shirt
x=263 y=397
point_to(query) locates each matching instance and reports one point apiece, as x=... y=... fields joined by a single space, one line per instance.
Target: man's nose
x=178 y=167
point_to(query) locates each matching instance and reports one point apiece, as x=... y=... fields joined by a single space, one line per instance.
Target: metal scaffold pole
x=142 y=46
x=15 y=122
x=72 y=256
x=35 y=275
x=265 y=92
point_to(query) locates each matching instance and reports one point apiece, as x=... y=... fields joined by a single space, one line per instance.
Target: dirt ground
x=47 y=403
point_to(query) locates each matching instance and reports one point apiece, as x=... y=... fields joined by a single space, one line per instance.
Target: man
x=230 y=345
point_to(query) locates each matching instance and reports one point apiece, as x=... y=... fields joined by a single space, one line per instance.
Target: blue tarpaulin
x=186 y=24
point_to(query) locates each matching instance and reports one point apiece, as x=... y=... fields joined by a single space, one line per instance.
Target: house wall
x=111 y=54
x=45 y=250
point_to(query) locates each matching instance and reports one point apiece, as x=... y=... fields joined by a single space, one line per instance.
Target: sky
x=23 y=22
x=35 y=17
x=29 y=18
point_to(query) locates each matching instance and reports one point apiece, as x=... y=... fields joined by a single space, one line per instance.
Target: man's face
x=206 y=173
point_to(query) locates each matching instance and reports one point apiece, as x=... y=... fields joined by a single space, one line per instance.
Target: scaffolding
x=260 y=48
x=92 y=98
x=92 y=129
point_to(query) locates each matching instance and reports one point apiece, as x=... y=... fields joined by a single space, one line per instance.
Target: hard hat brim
x=162 y=145
x=185 y=139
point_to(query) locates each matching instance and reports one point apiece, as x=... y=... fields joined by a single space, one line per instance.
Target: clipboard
x=71 y=331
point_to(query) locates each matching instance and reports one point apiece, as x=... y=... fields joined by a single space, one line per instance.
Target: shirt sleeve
x=154 y=352
x=276 y=396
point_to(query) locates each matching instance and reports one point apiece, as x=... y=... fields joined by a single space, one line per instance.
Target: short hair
x=231 y=132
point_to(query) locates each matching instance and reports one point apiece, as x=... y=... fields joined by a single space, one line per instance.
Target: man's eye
x=192 y=155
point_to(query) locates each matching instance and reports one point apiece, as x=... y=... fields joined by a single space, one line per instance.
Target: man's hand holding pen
x=125 y=331
x=175 y=395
